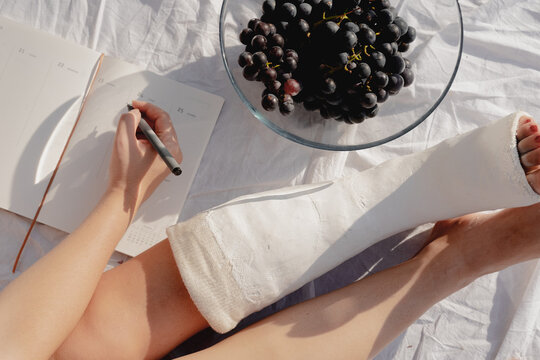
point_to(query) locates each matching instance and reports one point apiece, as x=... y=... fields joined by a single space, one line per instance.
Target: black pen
x=158 y=145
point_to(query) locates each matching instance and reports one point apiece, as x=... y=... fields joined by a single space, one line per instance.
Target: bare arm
x=41 y=307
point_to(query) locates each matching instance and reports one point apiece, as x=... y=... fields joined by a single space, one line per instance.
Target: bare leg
x=140 y=309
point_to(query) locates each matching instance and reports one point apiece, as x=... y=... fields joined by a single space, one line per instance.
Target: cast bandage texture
x=239 y=257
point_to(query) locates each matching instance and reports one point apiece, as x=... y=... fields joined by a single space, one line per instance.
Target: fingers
x=150 y=111
x=129 y=122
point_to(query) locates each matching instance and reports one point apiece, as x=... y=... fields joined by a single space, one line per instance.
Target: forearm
x=41 y=307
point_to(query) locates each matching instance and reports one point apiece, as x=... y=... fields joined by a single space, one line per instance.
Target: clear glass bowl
x=435 y=55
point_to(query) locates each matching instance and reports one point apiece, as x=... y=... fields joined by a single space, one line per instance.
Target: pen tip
x=177 y=171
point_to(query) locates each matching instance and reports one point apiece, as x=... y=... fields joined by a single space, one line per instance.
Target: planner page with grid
x=82 y=176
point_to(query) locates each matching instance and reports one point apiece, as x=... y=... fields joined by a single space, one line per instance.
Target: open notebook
x=49 y=87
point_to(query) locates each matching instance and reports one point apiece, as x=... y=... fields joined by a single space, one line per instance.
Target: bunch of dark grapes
x=339 y=57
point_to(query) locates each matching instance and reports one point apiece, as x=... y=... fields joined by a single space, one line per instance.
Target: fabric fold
x=239 y=257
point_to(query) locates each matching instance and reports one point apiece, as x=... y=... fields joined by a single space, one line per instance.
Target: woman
x=64 y=307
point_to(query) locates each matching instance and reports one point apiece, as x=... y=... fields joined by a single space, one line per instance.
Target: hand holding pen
x=135 y=168
x=151 y=136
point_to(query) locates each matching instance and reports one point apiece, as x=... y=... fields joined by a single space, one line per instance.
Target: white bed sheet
x=496 y=317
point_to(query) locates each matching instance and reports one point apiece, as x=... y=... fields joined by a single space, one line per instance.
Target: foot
x=486 y=243
x=528 y=137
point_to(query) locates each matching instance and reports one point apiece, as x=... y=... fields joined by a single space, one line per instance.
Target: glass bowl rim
x=322 y=146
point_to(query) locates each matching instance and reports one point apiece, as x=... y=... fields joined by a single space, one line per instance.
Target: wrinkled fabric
x=496 y=317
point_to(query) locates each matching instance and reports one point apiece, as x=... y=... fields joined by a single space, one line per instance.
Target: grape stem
x=341 y=17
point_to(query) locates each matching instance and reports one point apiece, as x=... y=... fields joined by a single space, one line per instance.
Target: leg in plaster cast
x=142 y=310
x=358 y=321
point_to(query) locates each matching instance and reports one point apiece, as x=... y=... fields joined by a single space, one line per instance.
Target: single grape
x=371 y=113
x=395 y=64
x=269 y=6
x=357 y=116
x=403 y=47
x=288 y=11
x=348 y=39
x=402 y=25
x=304 y=11
x=283 y=75
x=329 y=29
x=385 y=17
x=301 y=26
x=276 y=40
x=390 y=33
x=273 y=86
x=259 y=59
x=270 y=102
x=382 y=4
x=408 y=77
x=286 y=108
x=350 y=26
x=292 y=87
x=328 y=86
x=275 y=54
x=326 y=5
x=366 y=35
x=250 y=72
x=259 y=43
x=395 y=48
x=380 y=79
x=385 y=48
x=267 y=75
x=290 y=64
x=377 y=59
x=290 y=53
x=362 y=71
x=245 y=59
x=382 y=95
x=253 y=22
x=272 y=28
x=340 y=59
x=368 y=16
x=410 y=36
x=262 y=28
x=352 y=65
x=395 y=84
x=246 y=35
x=368 y=100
